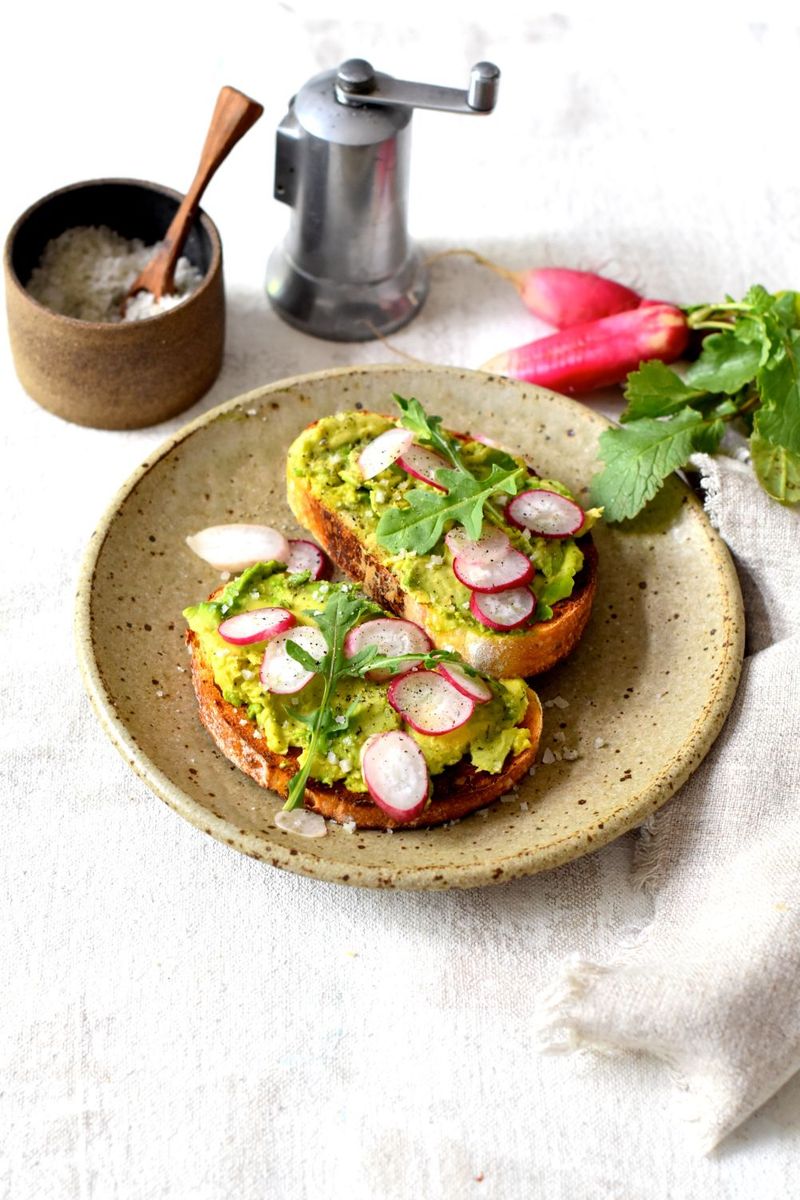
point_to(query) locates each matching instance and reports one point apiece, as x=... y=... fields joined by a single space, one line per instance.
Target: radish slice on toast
x=469 y=685
x=429 y=703
x=396 y=774
x=234 y=547
x=390 y=637
x=282 y=674
x=385 y=449
x=503 y=610
x=305 y=556
x=423 y=464
x=547 y=514
x=256 y=625
x=492 y=543
x=509 y=569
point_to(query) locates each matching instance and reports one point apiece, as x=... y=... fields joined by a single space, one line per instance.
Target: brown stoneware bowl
x=114 y=376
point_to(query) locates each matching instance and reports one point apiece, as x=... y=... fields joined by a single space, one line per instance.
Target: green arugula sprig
x=747 y=374
x=418 y=527
x=343 y=610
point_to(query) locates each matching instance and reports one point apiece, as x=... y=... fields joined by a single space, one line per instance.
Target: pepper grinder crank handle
x=347 y=269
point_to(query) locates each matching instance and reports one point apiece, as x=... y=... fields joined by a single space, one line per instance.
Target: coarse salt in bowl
x=103 y=372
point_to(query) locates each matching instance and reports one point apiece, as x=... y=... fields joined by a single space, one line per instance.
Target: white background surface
x=179 y=1021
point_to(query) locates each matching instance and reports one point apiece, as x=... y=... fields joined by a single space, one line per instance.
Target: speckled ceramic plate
x=631 y=713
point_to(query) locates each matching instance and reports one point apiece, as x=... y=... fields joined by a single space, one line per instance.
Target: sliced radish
x=503 y=610
x=489 y=545
x=396 y=774
x=234 y=547
x=429 y=703
x=256 y=625
x=301 y=822
x=391 y=637
x=305 y=556
x=282 y=674
x=383 y=451
x=547 y=514
x=468 y=685
x=508 y=570
x=485 y=440
x=423 y=464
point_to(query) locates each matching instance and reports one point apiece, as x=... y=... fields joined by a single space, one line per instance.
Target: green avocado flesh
x=488 y=737
x=325 y=458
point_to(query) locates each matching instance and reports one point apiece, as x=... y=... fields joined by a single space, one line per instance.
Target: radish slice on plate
x=547 y=514
x=282 y=674
x=305 y=556
x=429 y=703
x=468 y=685
x=423 y=464
x=383 y=451
x=256 y=625
x=301 y=822
x=234 y=547
x=503 y=610
x=490 y=544
x=396 y=774
x=390 y=637
x=509 y=569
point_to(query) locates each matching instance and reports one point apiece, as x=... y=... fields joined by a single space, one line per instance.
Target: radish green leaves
x=747 y=374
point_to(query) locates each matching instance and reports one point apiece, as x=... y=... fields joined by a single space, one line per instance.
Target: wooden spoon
x=234 y=114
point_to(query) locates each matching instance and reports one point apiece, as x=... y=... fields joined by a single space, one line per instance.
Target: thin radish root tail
x=514 y=277
x=376 y=333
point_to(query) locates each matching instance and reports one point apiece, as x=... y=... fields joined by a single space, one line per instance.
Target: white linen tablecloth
x=181 y=1021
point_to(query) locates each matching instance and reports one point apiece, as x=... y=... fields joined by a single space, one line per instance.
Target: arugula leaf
x=419 y=526
x=777 y=469
x=656 y=391
x=726 y=363
x=296 y=651
x=343 y=609
x=428 y=429
x=639 y=457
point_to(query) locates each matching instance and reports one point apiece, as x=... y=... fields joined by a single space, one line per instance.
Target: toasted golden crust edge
x=458 y=791
x=500 y=655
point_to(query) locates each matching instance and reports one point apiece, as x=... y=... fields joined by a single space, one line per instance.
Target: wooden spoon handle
x=234 y=114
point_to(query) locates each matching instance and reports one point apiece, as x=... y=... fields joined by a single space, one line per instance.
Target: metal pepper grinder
x=348 y=270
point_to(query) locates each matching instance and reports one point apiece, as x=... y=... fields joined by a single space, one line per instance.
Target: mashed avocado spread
x=325 y=457
x=491 y=733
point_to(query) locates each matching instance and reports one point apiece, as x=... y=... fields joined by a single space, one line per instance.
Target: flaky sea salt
x=86 y=271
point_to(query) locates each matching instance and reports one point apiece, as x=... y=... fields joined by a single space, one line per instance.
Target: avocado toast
x=450 y=532
x=313 y=691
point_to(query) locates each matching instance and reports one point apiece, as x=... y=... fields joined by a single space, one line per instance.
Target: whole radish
x=566 y=298
x=597 y=353
x=559 y=295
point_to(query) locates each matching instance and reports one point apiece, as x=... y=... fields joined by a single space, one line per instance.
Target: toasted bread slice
x=458 y=791
x=502 y=655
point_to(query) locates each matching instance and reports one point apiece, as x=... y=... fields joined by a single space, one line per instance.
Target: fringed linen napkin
x=712 y=985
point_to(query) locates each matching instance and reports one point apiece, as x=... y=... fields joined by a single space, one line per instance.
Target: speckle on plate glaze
x=649 y=686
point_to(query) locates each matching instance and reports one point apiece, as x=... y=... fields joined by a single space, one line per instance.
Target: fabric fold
x=711 y=986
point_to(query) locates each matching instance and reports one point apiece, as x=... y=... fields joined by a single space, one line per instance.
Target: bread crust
x=501 y=655
x=458 y=791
